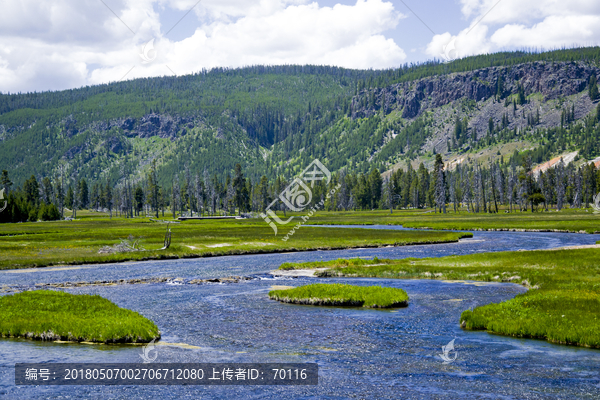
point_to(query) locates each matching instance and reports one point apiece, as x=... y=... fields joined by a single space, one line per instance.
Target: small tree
x=536 y=199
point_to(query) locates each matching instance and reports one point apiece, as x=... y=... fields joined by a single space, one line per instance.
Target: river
x=361 y=353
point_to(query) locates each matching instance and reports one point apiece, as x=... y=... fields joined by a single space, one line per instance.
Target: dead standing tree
x=167 y=242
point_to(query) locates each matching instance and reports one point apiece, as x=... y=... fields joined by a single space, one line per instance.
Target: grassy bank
x=343 y=295
x=567 y=220
x=52 y=315
x=562 y=306
x=78 y=242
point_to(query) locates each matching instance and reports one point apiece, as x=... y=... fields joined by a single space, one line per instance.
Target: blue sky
x=64 y=44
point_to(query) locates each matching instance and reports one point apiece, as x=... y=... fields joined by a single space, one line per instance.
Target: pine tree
x=458 y=128
x=560 y=185
x=6 y=183
x=47 y=190
x=239 y=183
x=69 y=197
x=521 y=95
x=60 y=192
x=76 y=197
x=153 y=187
x=84 y=196
x=477 y=188
x=199 y=195
x=32 y=191
x=108 y=195
x=593 y=88
x=342 y=193
x=374 y=189
x=499 y=88
x=440 y=184
x=94 y=197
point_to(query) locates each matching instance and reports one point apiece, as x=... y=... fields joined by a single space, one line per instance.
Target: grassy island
x=343 y=295
x=53 y=315
x=562 y=305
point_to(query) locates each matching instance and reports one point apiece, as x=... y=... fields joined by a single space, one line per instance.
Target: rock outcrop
x=550 y=79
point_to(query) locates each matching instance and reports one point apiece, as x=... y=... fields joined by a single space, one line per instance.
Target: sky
x=62 y=44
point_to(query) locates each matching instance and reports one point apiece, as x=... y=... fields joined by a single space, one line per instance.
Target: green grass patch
x=340 y=262
x=53 y=315
x=562 y=305
x=567 y=220
x=44 y=244
x=343 y=295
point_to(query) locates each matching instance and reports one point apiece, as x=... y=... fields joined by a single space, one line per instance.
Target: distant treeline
x=468 y=187
x=29 y=203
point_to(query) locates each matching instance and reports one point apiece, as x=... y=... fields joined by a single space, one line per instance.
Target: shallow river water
x=361 y=353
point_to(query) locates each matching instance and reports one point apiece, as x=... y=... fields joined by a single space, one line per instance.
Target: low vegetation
x=567 y=220
x=562 y=305
x=53 y=315
x=78 y=242
x=343 y=295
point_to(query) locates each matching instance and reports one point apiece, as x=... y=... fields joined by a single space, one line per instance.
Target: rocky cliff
x=550 y=79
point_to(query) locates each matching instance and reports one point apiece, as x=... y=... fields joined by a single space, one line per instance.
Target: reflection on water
x=361 y=353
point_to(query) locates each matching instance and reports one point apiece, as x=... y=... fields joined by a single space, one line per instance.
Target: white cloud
x=69 y=43
x=552 y=32
x=348 y=36
x=515 y=24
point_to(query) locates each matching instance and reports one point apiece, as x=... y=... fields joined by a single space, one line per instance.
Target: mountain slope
x=276 y=120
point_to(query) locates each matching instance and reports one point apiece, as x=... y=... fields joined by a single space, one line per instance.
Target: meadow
x=41 y=244
x=562 y=305
x=567 y=220
x=54 y=315
x=322 y=294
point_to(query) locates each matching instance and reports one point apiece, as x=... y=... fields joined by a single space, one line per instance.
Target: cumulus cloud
x=69 y=43
x=515 y=24
x=348 y=36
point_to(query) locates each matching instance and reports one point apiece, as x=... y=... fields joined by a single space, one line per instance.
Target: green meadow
x=568 y=220
x=53 y=315
x=342 y=295
x=40 y=244
x=562 y=304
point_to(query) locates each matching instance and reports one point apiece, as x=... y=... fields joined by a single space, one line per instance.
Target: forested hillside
x=273 y=121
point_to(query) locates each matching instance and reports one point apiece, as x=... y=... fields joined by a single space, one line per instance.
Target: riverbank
x=562 y=305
